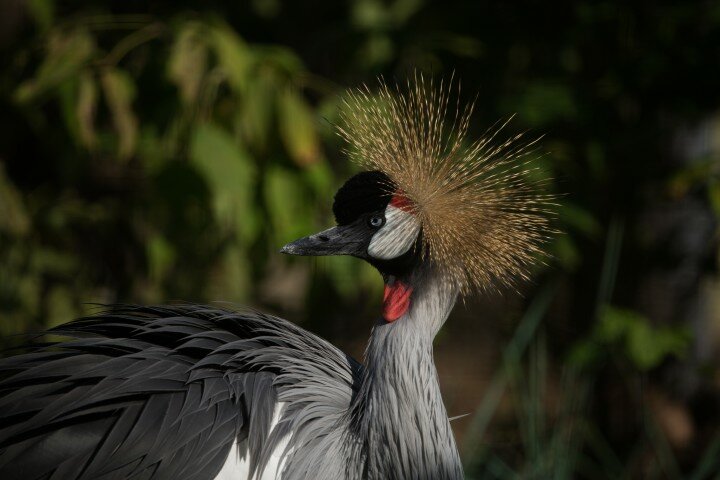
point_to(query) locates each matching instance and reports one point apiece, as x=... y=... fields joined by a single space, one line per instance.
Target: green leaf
x=119 y=91
x=377 y=50
x=645 y=346
x=648 y=347
x=615 y=323
x=188 y=61
x=585 y=353
x=256 y=115
x=281 y=59
x=290 y=215
x=67 y=53
x=233 y=55
x=85 y=109
x=161 y=256
x=320 y=178
x=230 y=174
x=14 y=218
x=580 y=219
x=543 y=102
x=297 y=128
x=370 y=15
x=42 y=11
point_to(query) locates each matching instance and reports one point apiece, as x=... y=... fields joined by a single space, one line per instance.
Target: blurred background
x=163 y=151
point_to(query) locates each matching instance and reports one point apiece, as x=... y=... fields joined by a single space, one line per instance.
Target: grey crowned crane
x=199 y=392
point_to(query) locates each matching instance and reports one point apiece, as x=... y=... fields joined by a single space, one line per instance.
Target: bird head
x=469 y=210
x=375 y=222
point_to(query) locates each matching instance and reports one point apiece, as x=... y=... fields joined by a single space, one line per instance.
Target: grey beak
x=340 y=240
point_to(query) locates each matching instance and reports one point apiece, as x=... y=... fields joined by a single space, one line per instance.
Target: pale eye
x=376 y=221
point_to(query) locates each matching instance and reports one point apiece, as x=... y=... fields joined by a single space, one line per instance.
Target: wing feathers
x=163 y=392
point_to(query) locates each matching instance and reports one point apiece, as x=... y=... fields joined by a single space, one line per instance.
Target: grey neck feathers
x=399 y=428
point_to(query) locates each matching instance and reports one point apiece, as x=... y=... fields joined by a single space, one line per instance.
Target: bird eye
x=376 y=221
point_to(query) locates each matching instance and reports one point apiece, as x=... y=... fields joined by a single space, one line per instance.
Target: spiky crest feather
x=483 y=220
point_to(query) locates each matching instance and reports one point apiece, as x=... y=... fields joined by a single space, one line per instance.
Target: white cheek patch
x=396 y=236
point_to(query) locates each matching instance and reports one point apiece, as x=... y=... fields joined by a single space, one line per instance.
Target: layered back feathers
x=483 y=219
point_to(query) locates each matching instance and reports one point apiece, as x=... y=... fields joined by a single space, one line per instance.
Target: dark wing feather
x=160 y=393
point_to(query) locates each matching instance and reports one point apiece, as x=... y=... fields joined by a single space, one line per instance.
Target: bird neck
x=398 y=409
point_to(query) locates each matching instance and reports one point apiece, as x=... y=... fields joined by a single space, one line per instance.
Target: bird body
x=193 y=392
x=169 y=392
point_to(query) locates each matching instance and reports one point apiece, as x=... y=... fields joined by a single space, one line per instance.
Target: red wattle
x=396 y=300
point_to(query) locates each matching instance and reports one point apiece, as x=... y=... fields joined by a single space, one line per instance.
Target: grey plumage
x=159 y=392
x=400 y=408
x=164 y=392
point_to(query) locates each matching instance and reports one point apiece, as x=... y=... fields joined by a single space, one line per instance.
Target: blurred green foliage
x=165 y=151
x=639 y=342
x=220 y=151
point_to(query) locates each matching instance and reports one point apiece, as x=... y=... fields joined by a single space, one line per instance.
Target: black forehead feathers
x=363 y=193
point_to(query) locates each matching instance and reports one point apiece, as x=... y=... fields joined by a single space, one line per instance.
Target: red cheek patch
x=396 y=300
x=399 y=200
